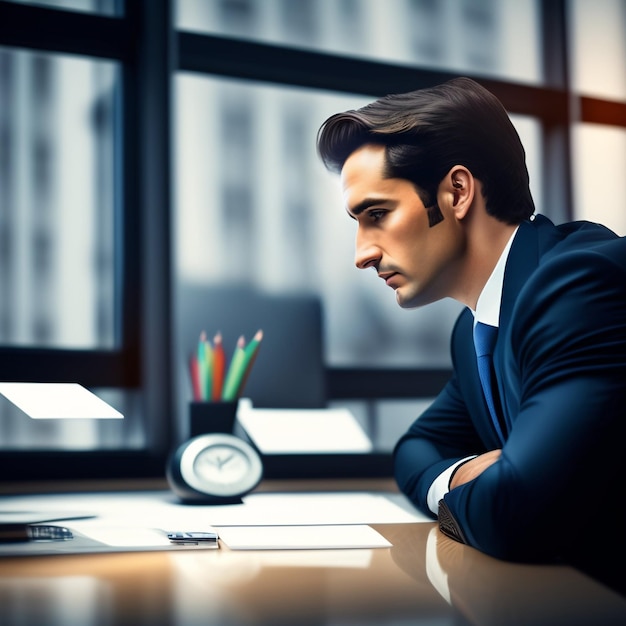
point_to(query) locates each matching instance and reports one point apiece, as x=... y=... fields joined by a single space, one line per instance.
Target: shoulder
x=582 y=236
x=603 y=261
x=593 y=274
x=541 y=233
x=575 y=296
x=570 y=252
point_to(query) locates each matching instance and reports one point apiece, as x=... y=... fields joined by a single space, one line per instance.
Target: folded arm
x=563 y=458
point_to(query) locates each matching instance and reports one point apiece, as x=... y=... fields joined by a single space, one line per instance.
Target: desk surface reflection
x=425 y=578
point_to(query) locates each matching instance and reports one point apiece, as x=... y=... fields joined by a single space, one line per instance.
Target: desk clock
x=214 y=468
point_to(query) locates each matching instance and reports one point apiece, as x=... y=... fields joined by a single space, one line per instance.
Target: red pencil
x=219 y=365
x=194 y=374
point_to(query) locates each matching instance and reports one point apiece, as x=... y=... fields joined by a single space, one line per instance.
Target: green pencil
x=251 y=350
x=205 y=366
x=240 y=367
x=233 y=376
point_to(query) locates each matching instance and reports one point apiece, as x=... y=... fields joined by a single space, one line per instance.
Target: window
x=104 y=7
x=57 y=185
x=476 y=36
x=599 y=148
x=596 y=33
x=75 y=282
x=599 y=153
x=94 y=257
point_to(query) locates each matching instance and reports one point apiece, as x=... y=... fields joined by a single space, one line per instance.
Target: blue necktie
x=484 y=342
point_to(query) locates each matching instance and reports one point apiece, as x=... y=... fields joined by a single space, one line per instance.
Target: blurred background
x=158 y=166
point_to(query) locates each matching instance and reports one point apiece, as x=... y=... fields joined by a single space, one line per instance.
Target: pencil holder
x=212 y=417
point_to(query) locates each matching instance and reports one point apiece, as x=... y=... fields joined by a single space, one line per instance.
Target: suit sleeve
x=440 y=437
x=563 y=461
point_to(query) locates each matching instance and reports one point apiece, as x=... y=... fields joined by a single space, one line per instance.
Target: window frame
x=151 y=51
x=104 y=38
x=140 y=40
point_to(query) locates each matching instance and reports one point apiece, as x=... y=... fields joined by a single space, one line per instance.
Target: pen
x=194 y=538
x=16 y=532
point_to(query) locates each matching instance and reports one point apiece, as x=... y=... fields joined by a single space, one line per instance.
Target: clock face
x=222 y=464
x=219 y=465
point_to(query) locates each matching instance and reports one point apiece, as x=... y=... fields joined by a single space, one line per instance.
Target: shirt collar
x=488 y=304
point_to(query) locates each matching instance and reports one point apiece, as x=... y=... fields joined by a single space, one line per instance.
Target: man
x=523 y=457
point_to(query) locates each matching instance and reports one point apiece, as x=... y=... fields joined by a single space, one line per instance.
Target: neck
x=486 y=239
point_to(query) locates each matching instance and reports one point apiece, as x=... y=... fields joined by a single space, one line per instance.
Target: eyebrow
x=366 y=204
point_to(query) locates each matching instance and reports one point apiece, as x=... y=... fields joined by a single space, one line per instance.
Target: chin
x=412 y=301
x=408 y=303
x=411 y=305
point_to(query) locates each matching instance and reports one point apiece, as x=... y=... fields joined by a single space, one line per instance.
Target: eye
x=376 y=214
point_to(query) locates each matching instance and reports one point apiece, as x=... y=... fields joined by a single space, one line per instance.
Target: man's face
x=417 y=257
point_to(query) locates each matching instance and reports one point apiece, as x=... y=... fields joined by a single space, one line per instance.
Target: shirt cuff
x=441 y=485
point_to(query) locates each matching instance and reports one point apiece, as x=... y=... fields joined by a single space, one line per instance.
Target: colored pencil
x=233 y=376
x=205 y=361
x=194 y=375
x=219 y=364
x=251 y=350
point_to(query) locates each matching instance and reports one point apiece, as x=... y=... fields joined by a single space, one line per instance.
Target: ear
x=458 y=188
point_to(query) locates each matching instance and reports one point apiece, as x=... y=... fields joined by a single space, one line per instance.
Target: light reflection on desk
x=216 y=588
x=389 y=586
x=488 y=591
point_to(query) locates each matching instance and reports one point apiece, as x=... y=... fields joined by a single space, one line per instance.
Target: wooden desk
x=351 y=587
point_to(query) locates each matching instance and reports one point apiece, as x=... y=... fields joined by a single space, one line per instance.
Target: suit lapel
x=530 y=243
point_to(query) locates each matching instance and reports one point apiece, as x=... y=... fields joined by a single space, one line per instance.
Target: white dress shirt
x=488 y=312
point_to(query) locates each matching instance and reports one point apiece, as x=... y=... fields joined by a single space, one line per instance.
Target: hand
x=474 y=467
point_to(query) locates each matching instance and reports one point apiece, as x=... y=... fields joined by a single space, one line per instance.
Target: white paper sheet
x=293 y=509
x=136 y=538
x=57 y=401
x=148 y=509
x=301 y=537
x=130 y=514
x=303 y=431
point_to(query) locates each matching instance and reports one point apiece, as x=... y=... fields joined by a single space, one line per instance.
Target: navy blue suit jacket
x=560 y=362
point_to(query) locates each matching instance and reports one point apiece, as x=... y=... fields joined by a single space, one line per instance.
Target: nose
x=367 y=254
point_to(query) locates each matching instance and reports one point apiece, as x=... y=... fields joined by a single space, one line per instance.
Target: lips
x=389 y=278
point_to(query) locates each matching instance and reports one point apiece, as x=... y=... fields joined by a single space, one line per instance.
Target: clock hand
x=221 y=462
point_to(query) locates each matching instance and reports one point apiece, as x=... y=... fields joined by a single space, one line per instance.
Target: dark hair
x=428 y=131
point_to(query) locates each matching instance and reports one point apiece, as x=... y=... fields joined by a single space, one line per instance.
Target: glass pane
x=599 y=163
x=529 y=130
x=478 y=36
x=598 y=47
x=57 y=126
x=103 y=7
